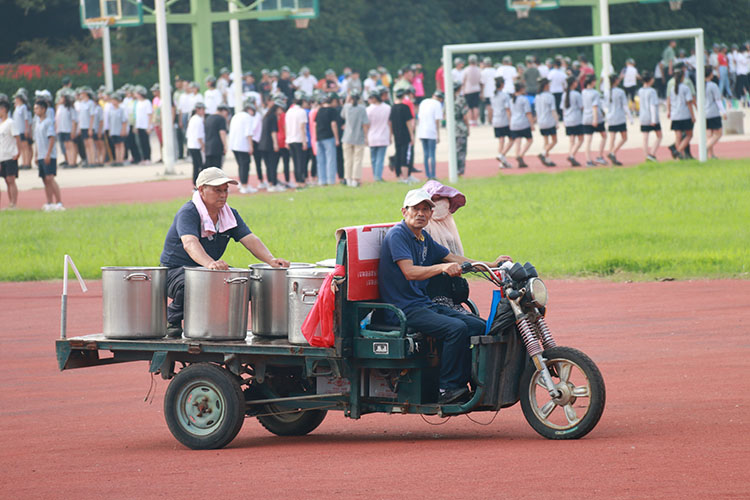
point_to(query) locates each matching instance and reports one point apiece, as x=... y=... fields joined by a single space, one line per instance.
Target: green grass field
x=677 y=220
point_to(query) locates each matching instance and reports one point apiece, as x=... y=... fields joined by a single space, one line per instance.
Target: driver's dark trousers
x=176 y=292
x=454 y=329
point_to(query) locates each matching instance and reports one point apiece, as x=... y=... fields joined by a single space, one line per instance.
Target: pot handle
x=232 y=281
x=137 y=277
x=307 y=292
x=255 y=278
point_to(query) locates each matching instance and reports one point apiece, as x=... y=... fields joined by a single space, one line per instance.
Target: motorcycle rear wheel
x=577 y=411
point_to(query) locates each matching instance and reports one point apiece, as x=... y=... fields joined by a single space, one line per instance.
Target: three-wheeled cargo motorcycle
x=371 y=368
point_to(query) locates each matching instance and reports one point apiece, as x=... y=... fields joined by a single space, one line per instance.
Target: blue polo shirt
x=401 y=244
x=187 y=221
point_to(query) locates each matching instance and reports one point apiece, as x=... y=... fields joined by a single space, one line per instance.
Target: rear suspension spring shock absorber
x=529 y=339
x=543 y=330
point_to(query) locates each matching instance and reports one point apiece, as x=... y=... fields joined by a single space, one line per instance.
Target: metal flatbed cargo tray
x=87 y=349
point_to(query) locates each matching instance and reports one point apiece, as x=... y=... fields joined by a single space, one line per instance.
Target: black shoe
x=454 y=396
x=521 y=163
x=174 y=330
x=675 y=153
x=573 y=162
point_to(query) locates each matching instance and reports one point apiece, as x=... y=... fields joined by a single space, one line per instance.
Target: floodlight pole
x=234 y=47
x=107 y=59
x=700 y=88
x=450 y=50
x=165 y=88
x=606 y=48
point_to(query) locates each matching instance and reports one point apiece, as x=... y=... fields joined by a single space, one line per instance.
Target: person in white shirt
x=572 y=112
x=680 y=110
x=545 y=68
x=732 y=61
x=457 y=73
x=629 y=76
x=592 y=119
x=66 y=126
x=143 y=122
x=10 y=149
x=370 y=84
x=354 y=139
x=649 y=114
x=106 y=99
x=714 y=112
x=241 y=143
x=617 y=116
x=305 y=81
x=212 y=96
x=521 y=123
x=509 y=74
x=379 y=134
x=472 y=86
x=46 y=155
x=742 y=60
x=557 y=81
x=86 y=117
x=295 y=122
x=429 y=116
x=256 y=113
x=222 y=85
x=546 y=116
x=499 y=118
x=488 y=88
x=185 y=106
x=196 y=138
x=98 y=131
x=118 y=129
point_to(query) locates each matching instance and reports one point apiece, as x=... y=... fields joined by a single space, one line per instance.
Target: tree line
x=357 y=33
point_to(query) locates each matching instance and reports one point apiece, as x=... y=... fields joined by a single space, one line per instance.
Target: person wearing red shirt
x=724 y=73
x=439 y=78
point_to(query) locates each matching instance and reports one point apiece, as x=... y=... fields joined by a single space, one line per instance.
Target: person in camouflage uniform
x=461 y=110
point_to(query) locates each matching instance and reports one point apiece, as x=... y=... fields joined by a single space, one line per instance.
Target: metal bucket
x=216 y=303
x=134 y=302
x=270 y=314
x=302 y=286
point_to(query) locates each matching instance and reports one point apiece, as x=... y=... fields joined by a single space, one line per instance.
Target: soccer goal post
x=450 y=50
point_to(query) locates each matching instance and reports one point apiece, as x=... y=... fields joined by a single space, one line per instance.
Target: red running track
x=674 y=357
x=167 y=190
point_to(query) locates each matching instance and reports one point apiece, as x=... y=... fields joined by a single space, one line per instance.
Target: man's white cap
x=213 y=176
x=417 y=196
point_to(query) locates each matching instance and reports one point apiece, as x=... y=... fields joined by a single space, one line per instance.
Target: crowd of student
x=561 y=90
x=319 y=129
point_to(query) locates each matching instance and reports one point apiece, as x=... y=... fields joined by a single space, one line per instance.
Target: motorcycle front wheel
x=582 y=395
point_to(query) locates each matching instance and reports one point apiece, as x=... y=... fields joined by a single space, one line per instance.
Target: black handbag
x=456 y=288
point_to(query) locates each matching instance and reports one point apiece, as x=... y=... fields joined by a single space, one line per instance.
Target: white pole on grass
x=695 y=33
x=450 y=117
x=162 y=50
x=234 y=46
x=107 y=59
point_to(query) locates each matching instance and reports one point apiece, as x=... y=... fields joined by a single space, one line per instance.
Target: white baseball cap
x=213 y=176
x=417 y=196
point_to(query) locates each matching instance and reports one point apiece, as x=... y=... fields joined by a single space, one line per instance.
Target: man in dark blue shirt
x=408 y=258
x=187 y=243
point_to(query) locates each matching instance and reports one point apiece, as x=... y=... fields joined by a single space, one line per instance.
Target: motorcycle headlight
x=537 y=291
